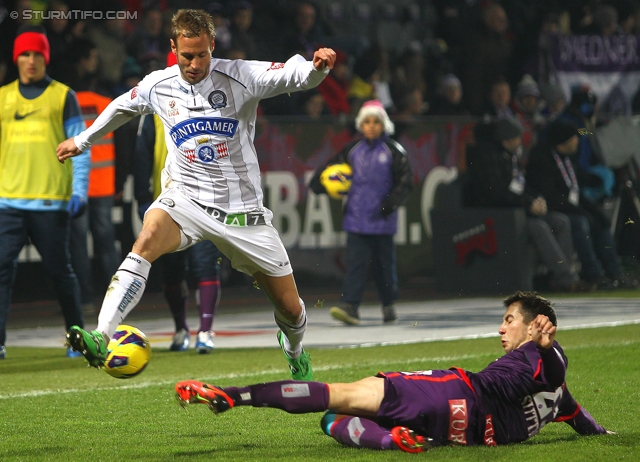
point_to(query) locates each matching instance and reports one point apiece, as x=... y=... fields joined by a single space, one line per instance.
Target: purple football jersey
x=508 y=401
x=521 y=390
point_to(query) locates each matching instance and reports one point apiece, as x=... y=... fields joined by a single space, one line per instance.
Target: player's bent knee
x=291 y=308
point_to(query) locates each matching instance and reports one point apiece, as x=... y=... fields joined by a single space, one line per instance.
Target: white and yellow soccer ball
x=336 y=179
x=128 y=353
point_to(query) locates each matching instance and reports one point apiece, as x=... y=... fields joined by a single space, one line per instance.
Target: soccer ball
x=336 y=179
x=128 y=353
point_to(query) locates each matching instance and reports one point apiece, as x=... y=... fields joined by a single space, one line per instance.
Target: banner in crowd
x=310 y=225
x=609 y=65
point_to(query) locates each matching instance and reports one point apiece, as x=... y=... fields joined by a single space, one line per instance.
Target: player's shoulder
x=156 y=77
x=8 y=86
x=521 y=354
x=241 y=70
x=59 y=85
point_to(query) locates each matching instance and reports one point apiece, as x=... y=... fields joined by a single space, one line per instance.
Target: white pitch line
x=147 y=384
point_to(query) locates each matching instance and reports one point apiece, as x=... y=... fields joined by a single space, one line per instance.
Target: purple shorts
x=438 y=404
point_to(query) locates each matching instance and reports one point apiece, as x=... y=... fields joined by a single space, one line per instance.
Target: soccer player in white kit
x=211 y=180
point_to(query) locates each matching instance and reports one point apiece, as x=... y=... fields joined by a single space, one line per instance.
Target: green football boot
x=92 y=345
x=300 y=368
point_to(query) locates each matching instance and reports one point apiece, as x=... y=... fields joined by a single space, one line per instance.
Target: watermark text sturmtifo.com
x=28 y=15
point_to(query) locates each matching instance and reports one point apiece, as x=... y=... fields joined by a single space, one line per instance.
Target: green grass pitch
x=54 y=408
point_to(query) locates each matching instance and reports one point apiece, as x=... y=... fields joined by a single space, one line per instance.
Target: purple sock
x=359 y=432
x=177 y=297
x=289 y=395
x=209 y=300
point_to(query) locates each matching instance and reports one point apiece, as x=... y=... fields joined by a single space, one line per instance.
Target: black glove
x=387 y=209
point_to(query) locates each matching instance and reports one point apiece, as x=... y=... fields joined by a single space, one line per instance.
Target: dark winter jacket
x=382 y=180
x=490 y=172
x=545 y=176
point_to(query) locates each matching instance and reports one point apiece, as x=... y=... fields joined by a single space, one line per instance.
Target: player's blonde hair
x=191 y=23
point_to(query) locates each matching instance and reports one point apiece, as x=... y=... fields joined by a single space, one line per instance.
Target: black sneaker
x=389 y=314
x=346 y=313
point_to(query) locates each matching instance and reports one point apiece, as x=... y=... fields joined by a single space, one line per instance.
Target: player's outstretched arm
x=323 y=58
x=543 y=332
x=67 y=149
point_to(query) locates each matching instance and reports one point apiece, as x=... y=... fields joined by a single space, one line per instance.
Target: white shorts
x=248 y=240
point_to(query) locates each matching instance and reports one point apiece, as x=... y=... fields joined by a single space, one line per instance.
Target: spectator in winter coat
x=496 y=180
x=553 y=172
x=382 y=180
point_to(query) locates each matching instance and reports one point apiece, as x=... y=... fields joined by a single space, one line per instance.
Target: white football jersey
x=210 y=126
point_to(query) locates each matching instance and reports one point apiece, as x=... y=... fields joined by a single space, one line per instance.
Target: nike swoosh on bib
x=22 y=116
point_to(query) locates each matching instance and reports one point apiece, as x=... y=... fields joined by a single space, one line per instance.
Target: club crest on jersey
x=206 y=153
x=134 y=92
x=217 y=99
x=204 y=150
x=197 y=127
x=172 y=108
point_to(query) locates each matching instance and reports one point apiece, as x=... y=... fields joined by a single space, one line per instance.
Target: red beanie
x=31 y=41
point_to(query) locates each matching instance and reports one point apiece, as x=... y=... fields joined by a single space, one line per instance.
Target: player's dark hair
x=532 y=305
x=191 y=23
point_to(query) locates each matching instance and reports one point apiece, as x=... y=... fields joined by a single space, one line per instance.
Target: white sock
x=293 y=334
x=124 y=293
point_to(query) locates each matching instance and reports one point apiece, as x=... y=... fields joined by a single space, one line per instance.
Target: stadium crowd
x=425 y=57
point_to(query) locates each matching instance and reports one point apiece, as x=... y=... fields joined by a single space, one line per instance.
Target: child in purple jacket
x=382 y=180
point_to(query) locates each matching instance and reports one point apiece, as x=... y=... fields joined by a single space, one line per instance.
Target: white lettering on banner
x=415 y=233
x=468 y=233
x=316 y=231
x=283 y=199
x=593 y=50
x=435 y=177
x=400 y=237
x=318 y=212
